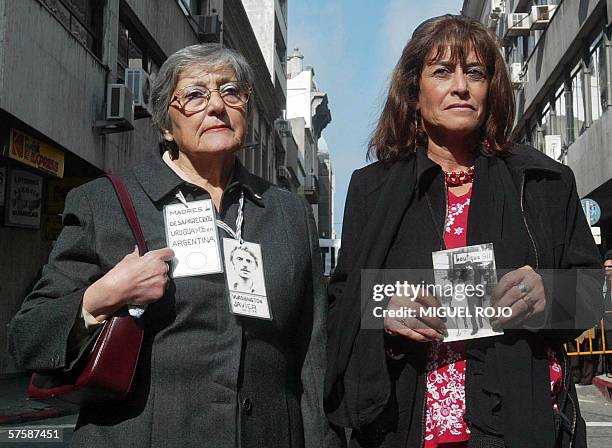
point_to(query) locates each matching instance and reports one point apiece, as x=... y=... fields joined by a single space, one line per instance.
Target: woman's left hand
x=521 y=290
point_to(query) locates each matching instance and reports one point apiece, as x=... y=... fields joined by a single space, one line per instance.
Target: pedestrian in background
x=209 y=375
x=605 y=366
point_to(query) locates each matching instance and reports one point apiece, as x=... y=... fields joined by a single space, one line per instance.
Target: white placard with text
x=191 y=231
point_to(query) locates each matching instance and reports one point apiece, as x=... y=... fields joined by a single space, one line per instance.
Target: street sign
x=591 y=210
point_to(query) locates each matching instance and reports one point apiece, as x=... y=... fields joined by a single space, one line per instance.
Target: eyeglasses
x=195 y=98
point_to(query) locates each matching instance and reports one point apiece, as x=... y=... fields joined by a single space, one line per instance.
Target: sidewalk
x=17 y=411
x=604 y=384
x=15 y=406
x=597 y=413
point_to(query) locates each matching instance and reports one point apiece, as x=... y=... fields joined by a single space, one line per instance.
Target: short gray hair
x=209 y=57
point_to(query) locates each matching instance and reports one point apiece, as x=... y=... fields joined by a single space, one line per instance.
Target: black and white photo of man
x=244 y=267
x=244 y=263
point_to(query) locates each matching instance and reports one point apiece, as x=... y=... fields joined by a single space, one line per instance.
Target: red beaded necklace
x=456 y=178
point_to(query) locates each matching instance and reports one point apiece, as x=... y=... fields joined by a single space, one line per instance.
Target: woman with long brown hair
x=447 y=177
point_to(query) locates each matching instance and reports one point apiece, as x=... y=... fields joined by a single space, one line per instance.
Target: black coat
x=527 y=205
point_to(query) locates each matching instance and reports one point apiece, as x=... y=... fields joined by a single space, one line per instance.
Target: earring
x=167 y=136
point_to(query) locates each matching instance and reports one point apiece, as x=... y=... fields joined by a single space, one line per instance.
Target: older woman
x=448 y=177
x=209 y=374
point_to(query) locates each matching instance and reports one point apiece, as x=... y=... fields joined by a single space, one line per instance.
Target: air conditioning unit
x=137 y=80
x=209 y=28
x=518 y=76
x=119 y=115
x=119 y=103
x=541 y=15
x=519 y=24
x=283 y=173
x=498 y=7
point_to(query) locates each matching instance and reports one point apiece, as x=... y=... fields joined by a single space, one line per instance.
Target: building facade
x=329 y=244
x=269 y=21
x=308 y=113
x=327 y=186
x=74 y=78
x=559 y=59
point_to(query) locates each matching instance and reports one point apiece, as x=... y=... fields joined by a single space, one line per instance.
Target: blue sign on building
x=592 y=208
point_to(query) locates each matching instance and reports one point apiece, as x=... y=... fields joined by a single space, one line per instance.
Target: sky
x=353 y=46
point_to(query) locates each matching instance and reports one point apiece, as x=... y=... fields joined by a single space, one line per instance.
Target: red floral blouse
x=445 y=390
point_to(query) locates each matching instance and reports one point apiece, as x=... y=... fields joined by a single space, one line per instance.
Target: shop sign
x=36 y=154
x=23 y=208
x=2 y=184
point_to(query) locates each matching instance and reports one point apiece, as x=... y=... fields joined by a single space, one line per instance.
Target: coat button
x=247 y=405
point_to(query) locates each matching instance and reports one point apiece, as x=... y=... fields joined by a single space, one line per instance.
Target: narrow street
x=596 y=411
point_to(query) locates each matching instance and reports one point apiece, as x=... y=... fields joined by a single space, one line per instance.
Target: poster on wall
x=24 y=199
x=2 y=184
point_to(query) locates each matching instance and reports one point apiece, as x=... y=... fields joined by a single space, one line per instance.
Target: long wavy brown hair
x=397 y=133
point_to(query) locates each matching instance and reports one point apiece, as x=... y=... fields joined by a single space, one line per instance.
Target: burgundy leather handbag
x=106 y=369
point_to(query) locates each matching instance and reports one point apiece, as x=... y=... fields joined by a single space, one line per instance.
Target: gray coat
x=206 y=377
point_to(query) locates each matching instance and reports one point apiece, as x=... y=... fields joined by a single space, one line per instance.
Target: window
x=519 y=50
x=195 y=7
x=133 y=46
x=580 y=98
x=543 y=127
x=552 y=127
x=597 y=79
x=577 y=123
x=559 y=125
x=530 y=42
x=83 y=18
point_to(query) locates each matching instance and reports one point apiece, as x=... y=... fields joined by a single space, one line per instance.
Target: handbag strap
x=130 y=213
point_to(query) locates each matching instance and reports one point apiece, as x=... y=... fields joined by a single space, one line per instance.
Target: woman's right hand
x=135 y=280
x=420 y=328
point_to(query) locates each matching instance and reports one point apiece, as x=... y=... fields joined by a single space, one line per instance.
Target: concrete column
x=110 y=37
